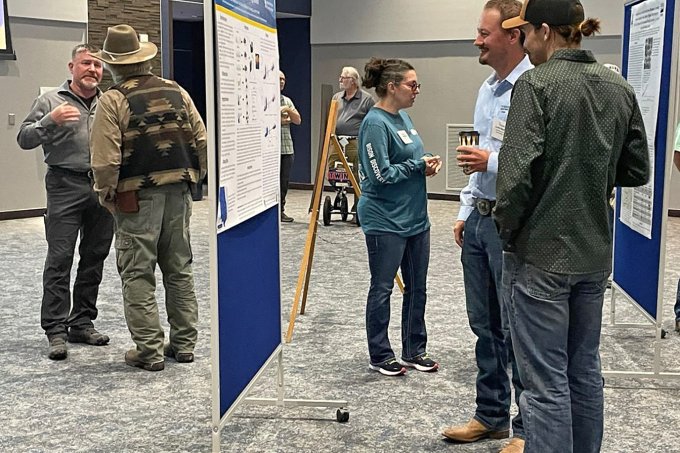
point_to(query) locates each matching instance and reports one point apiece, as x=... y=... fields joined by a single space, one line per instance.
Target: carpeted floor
x=93 y=402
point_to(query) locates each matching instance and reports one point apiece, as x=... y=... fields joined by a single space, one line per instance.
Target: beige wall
x=43 y=48
x=371 y=21
x=436 y=37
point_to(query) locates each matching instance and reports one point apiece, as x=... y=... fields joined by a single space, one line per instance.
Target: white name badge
x=498 y=129
x=404 y=137
x=414 y=132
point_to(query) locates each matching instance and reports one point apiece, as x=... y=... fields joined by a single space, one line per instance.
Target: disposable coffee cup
x=468 y=138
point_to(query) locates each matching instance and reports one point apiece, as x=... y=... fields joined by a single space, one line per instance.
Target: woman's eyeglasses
x=414 y=86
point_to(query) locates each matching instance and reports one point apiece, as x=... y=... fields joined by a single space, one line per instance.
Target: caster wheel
x=337 y=201
x=344 y=208
x=327 y=211
x=342 y=415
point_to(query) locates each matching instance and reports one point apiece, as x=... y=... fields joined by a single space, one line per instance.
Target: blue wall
x=295 y=60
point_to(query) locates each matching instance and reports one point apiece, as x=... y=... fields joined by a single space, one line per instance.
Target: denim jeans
x=386 y=252
x=482 y=259
x=555 y=323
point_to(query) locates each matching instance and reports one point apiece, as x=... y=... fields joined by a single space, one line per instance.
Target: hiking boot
x=132 y=359
x=473 y=431
x=57 y=350
x=421 y=363
x=285 y=218
x=88 y=335
x=389 y=368
x=181 y=357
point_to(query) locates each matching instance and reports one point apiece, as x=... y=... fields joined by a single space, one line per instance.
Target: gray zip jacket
x=66 y=146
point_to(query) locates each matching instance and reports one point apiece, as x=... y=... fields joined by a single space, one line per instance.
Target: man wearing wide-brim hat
x=148 y=148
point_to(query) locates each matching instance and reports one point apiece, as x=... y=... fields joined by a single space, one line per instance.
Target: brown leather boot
x=472 y=432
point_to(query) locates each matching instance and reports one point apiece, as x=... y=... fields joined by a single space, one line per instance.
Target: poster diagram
x=645 y=62
x=248 y=109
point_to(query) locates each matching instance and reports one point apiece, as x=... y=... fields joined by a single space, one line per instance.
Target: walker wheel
x=344 y=208
x=327 y=211
x=342 y=415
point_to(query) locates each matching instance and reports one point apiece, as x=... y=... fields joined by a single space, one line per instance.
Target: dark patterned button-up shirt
x=574 y=131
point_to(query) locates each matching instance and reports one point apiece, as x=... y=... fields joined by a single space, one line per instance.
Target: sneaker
x=88 y=335
x=58 y=350
x=421 y=363
x=132 y=359
x=181 y=357
x=389 y=368
x=285 y=218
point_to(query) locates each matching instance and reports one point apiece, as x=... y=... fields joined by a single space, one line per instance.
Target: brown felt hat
x=122 y=46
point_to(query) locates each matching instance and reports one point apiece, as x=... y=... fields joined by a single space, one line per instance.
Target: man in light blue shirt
x=476 y=233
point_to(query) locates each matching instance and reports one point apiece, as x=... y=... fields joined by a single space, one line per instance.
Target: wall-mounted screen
x=6 y=51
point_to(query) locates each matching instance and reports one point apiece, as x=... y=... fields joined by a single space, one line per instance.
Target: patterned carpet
x=93 y=402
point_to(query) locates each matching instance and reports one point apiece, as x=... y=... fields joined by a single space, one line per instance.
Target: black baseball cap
x=551 y=12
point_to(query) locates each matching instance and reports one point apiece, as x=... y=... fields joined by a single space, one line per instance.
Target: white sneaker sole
x=424 y=369
x=385 y=372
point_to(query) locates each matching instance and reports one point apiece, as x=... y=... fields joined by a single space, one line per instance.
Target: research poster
x=645 y=61
x=248 y=101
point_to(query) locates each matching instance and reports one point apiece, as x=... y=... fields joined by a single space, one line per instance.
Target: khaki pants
x=158 y=233
x=351 y=154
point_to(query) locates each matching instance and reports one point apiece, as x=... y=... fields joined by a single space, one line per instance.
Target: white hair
x=352 y=72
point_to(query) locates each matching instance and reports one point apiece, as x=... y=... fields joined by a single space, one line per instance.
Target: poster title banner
x=261 y=11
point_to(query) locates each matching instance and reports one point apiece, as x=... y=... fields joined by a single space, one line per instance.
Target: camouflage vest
x=158 y=144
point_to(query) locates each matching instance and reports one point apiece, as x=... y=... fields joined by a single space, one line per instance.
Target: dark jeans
x=555 y=320
x=677 y=303
x=72 y=210
x=286 y=165
x=482 y=259
x=386 y=252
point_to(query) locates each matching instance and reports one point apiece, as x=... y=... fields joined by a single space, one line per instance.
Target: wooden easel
x=310 y=242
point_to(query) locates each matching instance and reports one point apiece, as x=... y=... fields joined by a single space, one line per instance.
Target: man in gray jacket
x=60 y=121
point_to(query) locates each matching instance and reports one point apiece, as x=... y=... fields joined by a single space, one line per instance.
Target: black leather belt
x=69 y=172
x=484 y=206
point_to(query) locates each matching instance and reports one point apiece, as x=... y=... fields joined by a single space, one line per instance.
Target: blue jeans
x=482 y=259
x=555 y=323
x=386 y=252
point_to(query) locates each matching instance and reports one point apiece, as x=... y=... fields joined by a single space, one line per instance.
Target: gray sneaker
x=58 y=350
x=88 y=335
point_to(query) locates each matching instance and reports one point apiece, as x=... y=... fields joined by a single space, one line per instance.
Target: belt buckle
x=484 y=206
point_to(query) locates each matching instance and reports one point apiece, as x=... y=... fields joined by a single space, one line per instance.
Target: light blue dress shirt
x=493 y=104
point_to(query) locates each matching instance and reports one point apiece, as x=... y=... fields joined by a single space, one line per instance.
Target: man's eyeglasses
x=414 y=86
